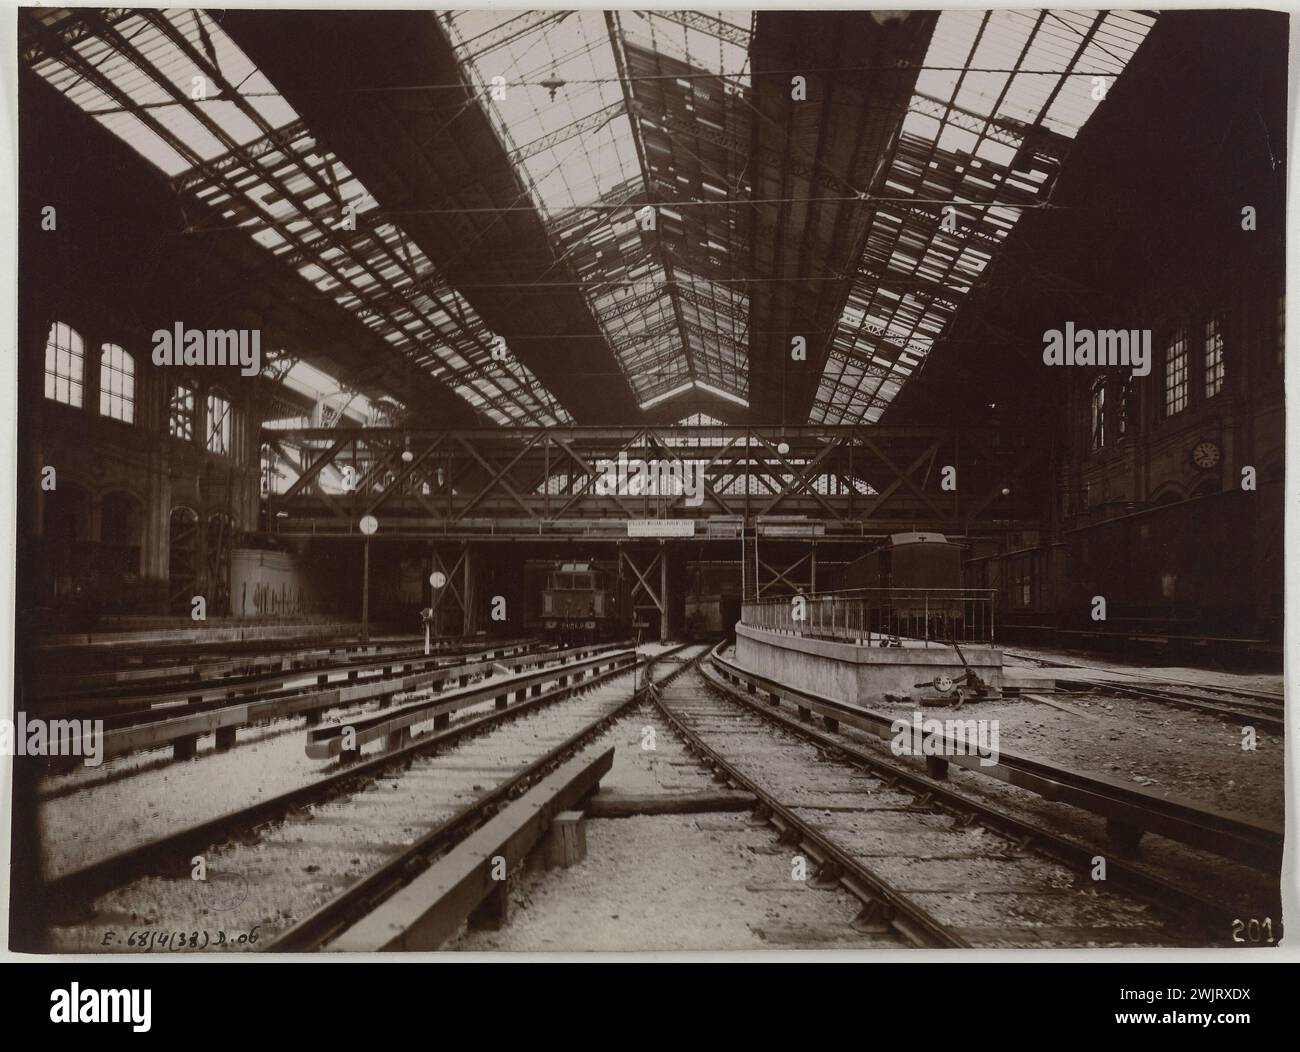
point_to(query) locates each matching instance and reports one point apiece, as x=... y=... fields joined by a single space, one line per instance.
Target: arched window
x=1176 y=373
x=116 y=384
x=1098 y=403
x=64 y=361
x=1124 y=407
x=1214 y=367
x=219 y=421
x=180 y=412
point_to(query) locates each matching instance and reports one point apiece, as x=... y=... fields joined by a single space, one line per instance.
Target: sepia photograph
x=627 y=481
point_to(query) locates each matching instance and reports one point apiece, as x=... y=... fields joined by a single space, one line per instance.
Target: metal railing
x=880 y=616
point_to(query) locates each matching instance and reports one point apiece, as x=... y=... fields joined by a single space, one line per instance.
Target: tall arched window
x=1176 y=373
x=180 y=412
x=1098 y=415
x=1214 y=367
x=116 y=384
x=64 y=362
x=1124 y=407
x=218 y=422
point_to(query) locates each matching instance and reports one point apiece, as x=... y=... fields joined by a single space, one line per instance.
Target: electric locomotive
x=579 y=605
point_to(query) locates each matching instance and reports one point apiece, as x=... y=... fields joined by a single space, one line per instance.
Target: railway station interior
x=671 y=417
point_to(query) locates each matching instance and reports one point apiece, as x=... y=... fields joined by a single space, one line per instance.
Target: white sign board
x=661 y=528
x=790 y=529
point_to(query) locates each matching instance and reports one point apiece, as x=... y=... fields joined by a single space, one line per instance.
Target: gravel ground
x=672 y=882
x=694 y=882
x=1156 y=746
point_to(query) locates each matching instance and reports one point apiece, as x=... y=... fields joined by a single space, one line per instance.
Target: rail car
x=911 y=586
x=579 y=605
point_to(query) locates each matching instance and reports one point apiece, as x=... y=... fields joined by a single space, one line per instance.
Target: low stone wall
x=859 y=675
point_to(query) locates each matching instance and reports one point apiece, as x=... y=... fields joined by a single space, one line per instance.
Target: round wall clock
x=1206 y=454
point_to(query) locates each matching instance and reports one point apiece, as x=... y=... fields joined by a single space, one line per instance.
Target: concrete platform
x=860 y=674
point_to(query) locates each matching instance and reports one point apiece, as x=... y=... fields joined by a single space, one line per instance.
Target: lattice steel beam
x=245 y=156
x=714 y=27
x=591 y=123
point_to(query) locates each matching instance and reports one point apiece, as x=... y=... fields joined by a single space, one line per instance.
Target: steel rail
x=171 y=699
x=182 y=730
x=346 y=909
x=323 y=742
x=158 y=854
x=1264 y=697
x=1129 y=811
x=1210 y=914
x=910 y=920
x=164 y=649
x=58 y=685
x=1272 y=721
x=160 y=691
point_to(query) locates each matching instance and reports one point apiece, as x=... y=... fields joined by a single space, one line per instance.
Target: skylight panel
x=728 y=395
x=575 y=51
x=576 y=147
x=937 y=139
x=699 y=420
x=170 y=66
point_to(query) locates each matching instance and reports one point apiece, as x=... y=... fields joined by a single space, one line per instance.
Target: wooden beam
x=625 y=805
x=430 y=910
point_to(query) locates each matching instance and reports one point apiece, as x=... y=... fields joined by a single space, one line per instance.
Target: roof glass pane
x=988 y=75
x=560 y=109
x=178 y=90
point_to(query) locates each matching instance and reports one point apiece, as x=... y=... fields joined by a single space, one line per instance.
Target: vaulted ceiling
x=599 y=217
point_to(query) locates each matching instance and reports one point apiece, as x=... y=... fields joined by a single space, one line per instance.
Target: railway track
x=145 y=708
x=89 y=667
x=311 y=862
x=1266 y=714
x=1264 y=710
x=124 y=702
x=935 y=867
x=181 y=726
